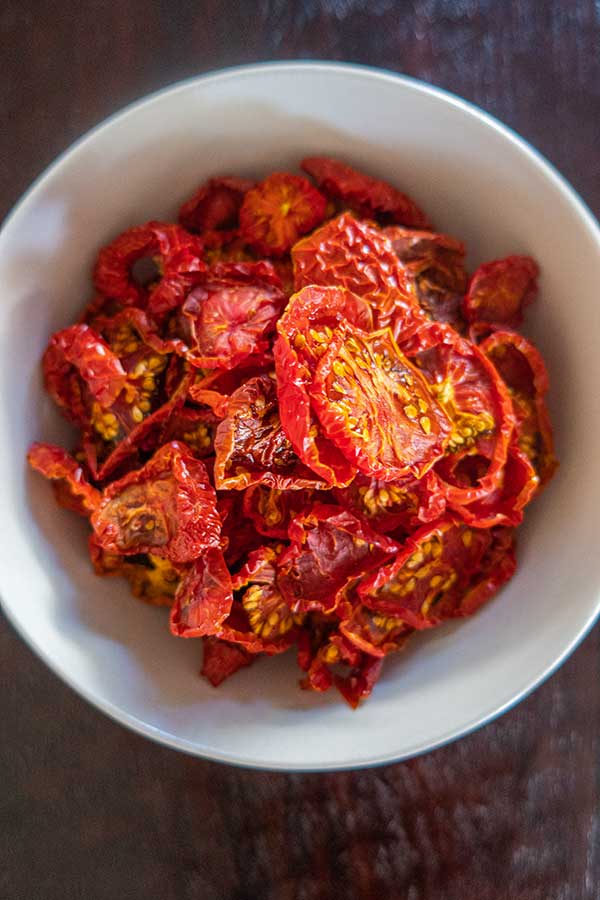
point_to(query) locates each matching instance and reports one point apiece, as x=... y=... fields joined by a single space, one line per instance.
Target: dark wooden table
x=91 y=811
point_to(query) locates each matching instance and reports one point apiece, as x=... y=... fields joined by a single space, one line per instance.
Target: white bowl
x=477 y=180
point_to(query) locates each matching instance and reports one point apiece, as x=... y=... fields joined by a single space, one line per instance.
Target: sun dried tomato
x=517 y=484
x=151 y=578
x=305 y=329
x=475 y=400
x=280 y=209
x=204 y=597
x=215 y=205
x=338 y=652
x=355 y=255
x=269 y=614
x=271 y=510
x=251 y=446
x=222 y=659
x=69 y=481
x=434 y=266
x=402 y=505
x=214 y=387
x=228 y=317
x=373 y=632
x=176 y=254
x=329 y=547
x=195 y=427
x=500 y=290
x=167 y=508
x=78 y=357
x=367 y=196
x=522 y=369
x=437 y=567
x=377 y=407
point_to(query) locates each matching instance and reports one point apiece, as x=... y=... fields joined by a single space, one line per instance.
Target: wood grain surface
x=88 y=810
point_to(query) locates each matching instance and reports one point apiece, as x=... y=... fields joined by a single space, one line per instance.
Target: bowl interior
x=477 y=181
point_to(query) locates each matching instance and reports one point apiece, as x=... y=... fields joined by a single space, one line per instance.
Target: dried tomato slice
x=373 y=632
x=215 y=387
x=177 y=255
x=251 y=446
x=434 y=266
x=71 y=486
x=516 y=487
x=78 y=357
x=477 y=403
x=271 y=510
x=336 y=652
x=522 y=369
x=269 y=614
x=280 y=209
x=195 y=427
x=500 y=290
x=222 y=659
x=215 y=205
x=355 y=255
x=402 y=505
x=305 y=329
x=167 y=508
x=367 y=196
x=239 y=534
x=377 y=407
x=204 y=597
x=151 y=578
x=436 y=575
x=228 y=316
x=330 y=547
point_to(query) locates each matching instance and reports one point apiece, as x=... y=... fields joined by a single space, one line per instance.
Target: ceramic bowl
x=477 y=180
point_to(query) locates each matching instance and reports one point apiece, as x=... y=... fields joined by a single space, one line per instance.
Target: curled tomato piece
x=372 y=632
x=239 y=536
x=438 y=567
x=477 y=404
x=167 y=507
x=377 y=407
x=215 y=205
x=329 y=548
x=222 y=659
x=367 y=196
x=204 y=597
x=215 y=387
x=77 y=358
x=280 y=209
x=500 y=290
x=516 y=487
x=269 y=614
x=271 y=510
x=337 y=652
x=176 y=254
x=151 y=578
x=251 y=446
x=434 y=267
x=355 y=255
x=71 y=486
x=522 y=369
x=228 y=317
x=305 y=329
x=195 y=427
x=401 y=505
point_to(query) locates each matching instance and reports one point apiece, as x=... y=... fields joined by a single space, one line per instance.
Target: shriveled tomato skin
x=278 y=211
x=499 y=291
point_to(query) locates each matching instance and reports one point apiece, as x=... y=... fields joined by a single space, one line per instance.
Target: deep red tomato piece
x=374 y=633
x=215 y=205
x=367 y=196
x=230 y=314
x=434 y=267
x=522 y=369
x=500 y=290
x=401 y=505
x=304 y=330
x=329 y=547
x=438 y=566
x=357 y=256
x=251 y=446
x=222 y=659
x=69 y=480
x=152 y=579
x=377 y=407
x=167 y=507
x=204 y=597
x=271 y=510
x=177 y=257
x=280 y=209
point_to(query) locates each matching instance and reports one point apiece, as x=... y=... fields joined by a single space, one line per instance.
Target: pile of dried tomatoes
x=302 y=424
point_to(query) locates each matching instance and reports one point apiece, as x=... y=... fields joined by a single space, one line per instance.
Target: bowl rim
x=568 y=192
